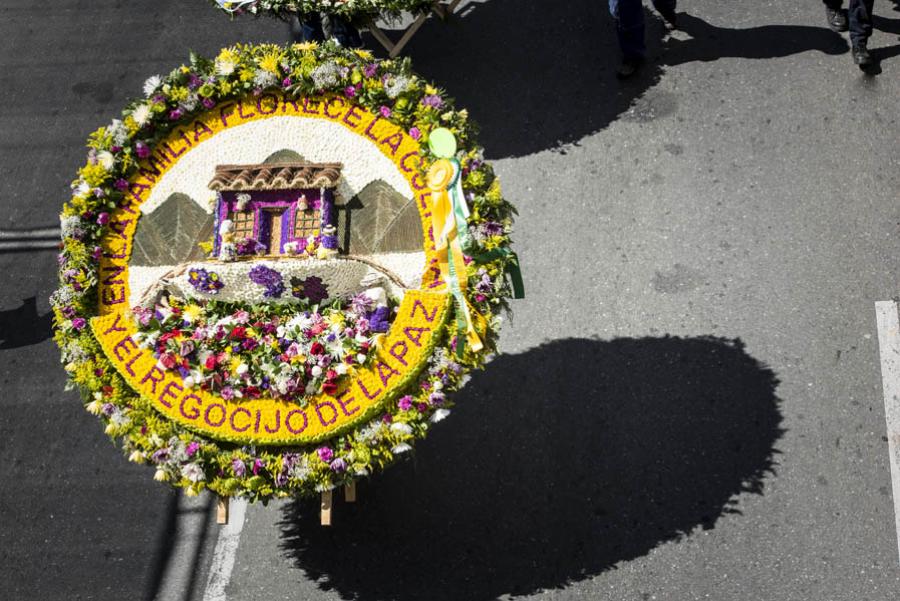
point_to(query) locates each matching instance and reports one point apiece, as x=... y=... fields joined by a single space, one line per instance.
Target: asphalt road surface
x=689 y=401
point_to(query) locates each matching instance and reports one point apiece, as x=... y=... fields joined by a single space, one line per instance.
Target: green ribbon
x=461 y=215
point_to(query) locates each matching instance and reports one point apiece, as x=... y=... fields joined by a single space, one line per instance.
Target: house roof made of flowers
x=276 y=176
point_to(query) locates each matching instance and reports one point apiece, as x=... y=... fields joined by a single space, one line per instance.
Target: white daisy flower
x=141 y=114
x=151 y=84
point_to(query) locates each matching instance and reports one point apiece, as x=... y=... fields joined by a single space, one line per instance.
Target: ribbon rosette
x=234 y=6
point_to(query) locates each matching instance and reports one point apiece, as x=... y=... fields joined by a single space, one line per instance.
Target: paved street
x=689 y=401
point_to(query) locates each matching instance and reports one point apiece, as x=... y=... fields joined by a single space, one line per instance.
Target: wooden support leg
x=380 y=36
x=350 y=492
x=326 y=508
x=222 y=511
x=404 y=40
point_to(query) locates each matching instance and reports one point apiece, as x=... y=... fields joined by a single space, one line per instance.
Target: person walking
x=859 y=24
x=629 y=18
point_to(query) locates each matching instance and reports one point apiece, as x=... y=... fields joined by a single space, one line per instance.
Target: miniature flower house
x=276 y=209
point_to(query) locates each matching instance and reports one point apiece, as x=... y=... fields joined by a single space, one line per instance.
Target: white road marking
x=226 y=550
x=888 y=317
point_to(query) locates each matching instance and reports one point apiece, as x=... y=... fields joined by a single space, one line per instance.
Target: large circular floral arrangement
x=256 y=376
x=346 y=8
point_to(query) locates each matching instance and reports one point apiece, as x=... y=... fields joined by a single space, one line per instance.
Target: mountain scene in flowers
x=379 y=220
x=169 y=235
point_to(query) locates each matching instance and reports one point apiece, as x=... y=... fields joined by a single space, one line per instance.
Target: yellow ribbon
x=448 y=250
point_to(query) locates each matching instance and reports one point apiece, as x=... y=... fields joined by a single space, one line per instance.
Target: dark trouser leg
x=860 y=20
x=345 y=33
x=629 y=17
x=309 y=29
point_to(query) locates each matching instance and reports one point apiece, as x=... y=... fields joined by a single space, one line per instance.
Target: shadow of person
x=886 y=25
x=23 y=326
x=557 y=463
x=709 y=42
x=541 y=74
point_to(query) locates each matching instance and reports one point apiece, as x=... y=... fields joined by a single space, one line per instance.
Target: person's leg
x=345 y=33
x=860 y=30
x=860 y=21
x=307 y=29
x=629 y=18
x=835 y=15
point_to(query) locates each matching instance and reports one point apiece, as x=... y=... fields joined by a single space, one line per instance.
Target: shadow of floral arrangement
x=540 y=75
x=557 y=463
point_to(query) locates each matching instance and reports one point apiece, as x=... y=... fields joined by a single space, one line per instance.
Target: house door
x=275 y=229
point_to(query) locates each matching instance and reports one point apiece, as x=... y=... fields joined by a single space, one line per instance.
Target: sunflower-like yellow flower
x=270 y=62
x=227 y=55
x=363 y=54
x=192 y=312
x=306 y=46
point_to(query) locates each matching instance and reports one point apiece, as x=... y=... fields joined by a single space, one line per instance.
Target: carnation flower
x=325 y=454
x=193 y=472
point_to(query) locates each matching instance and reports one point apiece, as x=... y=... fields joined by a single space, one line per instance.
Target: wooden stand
x=222 y=511
x=442 y=8
x=328 y=502
x=326 y=508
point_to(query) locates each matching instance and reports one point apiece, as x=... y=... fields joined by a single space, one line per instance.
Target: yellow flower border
x=267 y=421
x=400 y=357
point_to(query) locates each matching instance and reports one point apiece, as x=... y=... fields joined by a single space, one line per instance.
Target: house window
x=243 y=224
x=306 y=223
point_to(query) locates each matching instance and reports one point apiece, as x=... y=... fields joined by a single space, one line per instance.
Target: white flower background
x=316 y=140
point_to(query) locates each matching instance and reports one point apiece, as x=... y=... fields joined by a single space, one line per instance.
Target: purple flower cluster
x=205 y=281
x=268 y=278
x=432 y=100
x=312 y=289
x=249 y=246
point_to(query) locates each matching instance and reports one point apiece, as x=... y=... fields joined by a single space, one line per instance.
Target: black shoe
x=861 y=55
x=837 y=19
x=629 y=67
x=670 y=17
